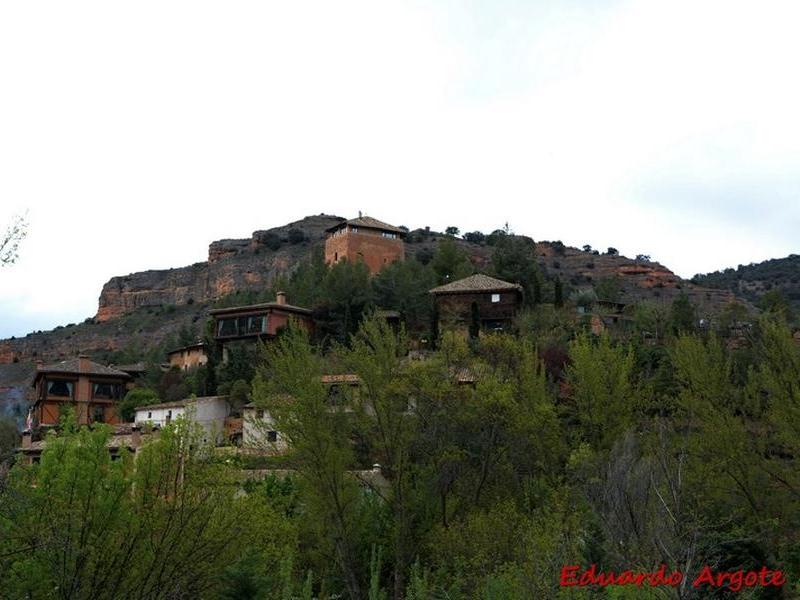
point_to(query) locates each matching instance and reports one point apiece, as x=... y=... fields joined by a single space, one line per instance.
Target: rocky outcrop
x=232 y=265
x=638 y=279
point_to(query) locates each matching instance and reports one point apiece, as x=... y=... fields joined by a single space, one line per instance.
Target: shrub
x=296 y=236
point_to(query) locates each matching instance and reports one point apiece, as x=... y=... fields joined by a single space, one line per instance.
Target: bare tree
x=10 y=241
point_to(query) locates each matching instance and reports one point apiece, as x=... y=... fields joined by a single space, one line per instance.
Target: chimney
x=83 y=362
x=280 y=297
x=359 y=214
x=27 y=438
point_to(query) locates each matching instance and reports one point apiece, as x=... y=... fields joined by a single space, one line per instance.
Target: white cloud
x=136 y=134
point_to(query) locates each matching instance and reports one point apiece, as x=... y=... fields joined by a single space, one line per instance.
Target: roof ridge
x=477 y=282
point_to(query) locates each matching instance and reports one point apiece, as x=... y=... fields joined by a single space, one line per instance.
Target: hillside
x=146 y=312
x=754 y=280
x=144 y=309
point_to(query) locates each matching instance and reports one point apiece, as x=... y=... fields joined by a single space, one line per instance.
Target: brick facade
x=367 y=240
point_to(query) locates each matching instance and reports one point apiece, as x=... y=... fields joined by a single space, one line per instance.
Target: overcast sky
x=136 y=133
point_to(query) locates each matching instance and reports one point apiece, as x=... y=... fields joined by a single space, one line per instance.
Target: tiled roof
x=476 y=283
x=345 y=378
x=260 y=307
x=173 y=404
x=187 y=347
x=369 y=223
x=179 y=403
x=73 y=367
x=138 y=367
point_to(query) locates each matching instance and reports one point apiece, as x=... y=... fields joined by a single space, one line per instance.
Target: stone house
x=476 y=304
x=188 y=357
x=259 y=431
x=126 y=436
x=210 y=412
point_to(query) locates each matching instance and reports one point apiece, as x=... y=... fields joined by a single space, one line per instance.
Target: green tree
x=239 y=395
x=683 y=315
x=601 y=376
x=346 y=295
x=403 y=286
x=558 y=293
x=775 y=302
x=514 y=260
x=474 y=237
x=288 y=384
x=134 y=399
x=450 y=262
x=81 y=525
x=377 y=356
x=609 y=289
x=305 y=285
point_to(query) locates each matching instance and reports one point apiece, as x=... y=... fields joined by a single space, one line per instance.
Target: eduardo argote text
x=574 y=576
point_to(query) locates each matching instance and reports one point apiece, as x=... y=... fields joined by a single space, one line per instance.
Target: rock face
x=232 y=265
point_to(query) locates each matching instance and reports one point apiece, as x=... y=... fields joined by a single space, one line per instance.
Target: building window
x=106 y=391
x=495 y=297
x=272 y=436
x=257 y=324
x=235 y=326
x=389 y=235
x=149 y=414
x=169 y=416
x=60 y=388
x=354 y=229
x=98 y=415
x=226 y=327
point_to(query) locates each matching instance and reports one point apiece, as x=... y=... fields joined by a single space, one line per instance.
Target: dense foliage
x=753 y=281
x=477 y=470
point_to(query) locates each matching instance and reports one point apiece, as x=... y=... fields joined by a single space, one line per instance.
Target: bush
x=424 y=256
x=133 y=399
x=296 y=236
x=475 y=237
x=272 y=240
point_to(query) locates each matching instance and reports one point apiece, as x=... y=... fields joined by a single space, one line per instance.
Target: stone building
x=125 y=437
x=365 y=239
x=89 y=388
x=259 y=431
x=210 y=412
x=476 y=304
x=188 y=357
